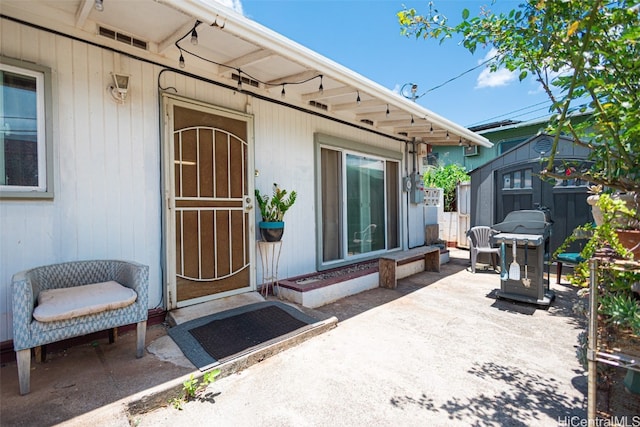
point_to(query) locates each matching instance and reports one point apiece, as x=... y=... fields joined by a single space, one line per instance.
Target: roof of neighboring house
x=233 y=48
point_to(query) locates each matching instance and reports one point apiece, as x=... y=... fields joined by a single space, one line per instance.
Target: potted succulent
x=272 y=210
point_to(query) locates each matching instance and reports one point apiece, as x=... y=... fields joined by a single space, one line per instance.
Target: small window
x=516 y=180
x=527 y=178
x=25 y=151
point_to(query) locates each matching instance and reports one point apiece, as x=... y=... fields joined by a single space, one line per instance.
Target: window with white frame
x=25 y=151
x=359 y=198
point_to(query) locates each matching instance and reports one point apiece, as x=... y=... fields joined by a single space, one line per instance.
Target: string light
x=194 y=40
x=412 y=121
x=387 y=113
x=448 y=134
x=431 y=130
x=460 y=142
x=358 y=98
x=194 y=37
x=99 y=6
x=283 y=93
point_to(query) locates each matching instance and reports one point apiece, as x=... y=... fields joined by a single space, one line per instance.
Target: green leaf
x=465 y=14
x=523 y=75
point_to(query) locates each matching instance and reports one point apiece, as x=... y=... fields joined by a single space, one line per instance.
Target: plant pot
x=271 y=231
x=630 y=239
x=630 y=200
x=595 y=209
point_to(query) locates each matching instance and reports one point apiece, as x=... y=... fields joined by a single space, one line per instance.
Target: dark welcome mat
x=211 y=340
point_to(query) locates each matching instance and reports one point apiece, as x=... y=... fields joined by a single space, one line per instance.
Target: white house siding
x=107 y=162
x=284 y=153
x=106 y=166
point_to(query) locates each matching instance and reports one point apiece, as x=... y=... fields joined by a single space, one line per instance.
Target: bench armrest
x=23 y=304
x=135 y=276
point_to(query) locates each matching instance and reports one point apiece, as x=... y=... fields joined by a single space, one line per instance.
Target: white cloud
x=500 y=77
x=232 y=4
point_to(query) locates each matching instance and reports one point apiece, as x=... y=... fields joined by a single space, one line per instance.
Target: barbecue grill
x=528 y=231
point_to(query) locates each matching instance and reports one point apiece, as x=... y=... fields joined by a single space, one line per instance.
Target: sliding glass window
x=359 y=197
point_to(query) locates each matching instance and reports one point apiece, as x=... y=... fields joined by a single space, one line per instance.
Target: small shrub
x=446 y=177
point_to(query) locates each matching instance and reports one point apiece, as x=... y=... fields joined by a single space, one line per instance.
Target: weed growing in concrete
x=194 y=387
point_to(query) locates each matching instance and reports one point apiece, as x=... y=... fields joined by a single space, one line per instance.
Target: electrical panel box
x=416 y=193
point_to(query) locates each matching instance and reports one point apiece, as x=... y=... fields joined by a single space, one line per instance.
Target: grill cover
x=525 y=222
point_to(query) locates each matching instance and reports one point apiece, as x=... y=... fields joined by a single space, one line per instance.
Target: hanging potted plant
x=272 y=210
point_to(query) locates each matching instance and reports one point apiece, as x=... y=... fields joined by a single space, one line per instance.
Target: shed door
x=209 y=226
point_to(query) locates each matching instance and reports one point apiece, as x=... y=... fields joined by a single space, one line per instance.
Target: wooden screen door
x=208 y=222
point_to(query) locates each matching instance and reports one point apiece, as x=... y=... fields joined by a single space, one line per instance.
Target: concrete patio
x=438 y=350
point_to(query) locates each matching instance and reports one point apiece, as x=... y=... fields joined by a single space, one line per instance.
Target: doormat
x=214 y=339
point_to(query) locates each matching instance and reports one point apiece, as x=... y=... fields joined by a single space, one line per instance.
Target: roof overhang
x=232 y=47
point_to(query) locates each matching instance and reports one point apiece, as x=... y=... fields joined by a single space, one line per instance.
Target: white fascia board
x=210 y=11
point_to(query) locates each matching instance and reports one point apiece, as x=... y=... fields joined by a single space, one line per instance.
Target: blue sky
x=364 y=36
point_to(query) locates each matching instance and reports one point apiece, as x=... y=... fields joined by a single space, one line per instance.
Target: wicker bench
x=60 y=301
x=388 y=264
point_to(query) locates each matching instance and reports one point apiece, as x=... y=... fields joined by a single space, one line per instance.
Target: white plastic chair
x=366 y=235
x=480 y=239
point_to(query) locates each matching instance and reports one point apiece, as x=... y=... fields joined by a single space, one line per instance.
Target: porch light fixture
x=120 y=87
x=99 y=6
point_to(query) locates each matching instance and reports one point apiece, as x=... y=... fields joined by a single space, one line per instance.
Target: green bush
x=446 y=177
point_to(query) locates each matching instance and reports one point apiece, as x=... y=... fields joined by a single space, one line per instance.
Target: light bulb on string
x=194 y=37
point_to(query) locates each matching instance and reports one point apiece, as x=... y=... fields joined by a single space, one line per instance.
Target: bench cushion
x=570 y=257
x=67 y=303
